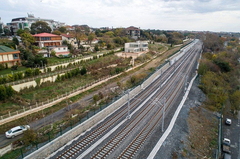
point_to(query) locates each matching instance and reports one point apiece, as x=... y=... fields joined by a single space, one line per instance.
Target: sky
x=191 y=15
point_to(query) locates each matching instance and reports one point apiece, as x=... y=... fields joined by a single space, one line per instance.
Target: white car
x=228 y=121
x=226 y=141
x=18 y=130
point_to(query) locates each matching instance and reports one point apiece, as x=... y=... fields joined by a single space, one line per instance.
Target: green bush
x=20 y=75
x=15 y=76
x=10 y=78
x=37 y=71
x=28 y=72
x=83 y=70
x=1 y=67
x=3 y=92
x=9 y=91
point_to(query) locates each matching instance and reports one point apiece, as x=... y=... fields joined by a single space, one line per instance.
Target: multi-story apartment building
x=134 y=32
x=9 y=56
x=26 y=22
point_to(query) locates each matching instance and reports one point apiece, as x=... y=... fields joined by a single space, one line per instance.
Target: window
x=58 y=48
x=17 y=130
x=64 y=48
x=15 y=56
x=45 y=38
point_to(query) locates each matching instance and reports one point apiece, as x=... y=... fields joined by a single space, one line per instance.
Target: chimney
x=67 y=33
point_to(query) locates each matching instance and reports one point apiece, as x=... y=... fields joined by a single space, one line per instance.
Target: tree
x=57 y=32
x=79 y=35
x=20 y=31
x=40 y=27
x=1 y=31
x=53 y=53
x=110 y=34
x=15 y=41
x=96 y=47
x=235 y=100
x=7 y=32
x=91 y=37
x=62 y=29
x=27 y=39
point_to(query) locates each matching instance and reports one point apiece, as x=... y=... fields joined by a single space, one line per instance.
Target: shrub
x=14 y=67
x=83 y=71
x=3 y=92
x=28 y=72
x=15 y=76
x=58 y=78
x=1 y=67
x=9 y=91
x=53 y=53
x=20 y=75
x=37 y=71
x=10 y=77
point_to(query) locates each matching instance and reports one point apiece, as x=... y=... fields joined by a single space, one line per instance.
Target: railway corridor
x=120 y=137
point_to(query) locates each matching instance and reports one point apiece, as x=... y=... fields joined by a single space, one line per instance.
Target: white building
x=26 y=22
x=70 y=39
x=138 y=46
x=60 y=50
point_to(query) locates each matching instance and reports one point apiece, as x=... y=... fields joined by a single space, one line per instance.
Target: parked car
x=227 y=156
x=226 y=141
x=228 y=121
x=18 y=130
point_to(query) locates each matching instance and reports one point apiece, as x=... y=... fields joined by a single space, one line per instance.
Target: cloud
x=158 y=14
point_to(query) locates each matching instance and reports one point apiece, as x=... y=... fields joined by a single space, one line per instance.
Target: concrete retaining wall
x=5 y=150
x=18 y=87
x=54 y=145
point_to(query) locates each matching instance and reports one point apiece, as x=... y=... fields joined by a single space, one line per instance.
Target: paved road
x=232 y=132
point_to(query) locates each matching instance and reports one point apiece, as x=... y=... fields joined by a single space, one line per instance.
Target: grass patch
x=156 y=47
x=56 y=60
x=8 y=71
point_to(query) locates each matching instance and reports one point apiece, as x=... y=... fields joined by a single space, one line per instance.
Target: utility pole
x=164 y=103
x=128 y=116
x=186 y=77
x=161 y=79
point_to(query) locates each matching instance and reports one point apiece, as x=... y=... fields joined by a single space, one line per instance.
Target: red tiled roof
x=69 y=26
x=132 y=28
x=67 y=35
x=44 y=35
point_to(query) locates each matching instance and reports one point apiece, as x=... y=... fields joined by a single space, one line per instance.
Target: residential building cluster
x=48 y=43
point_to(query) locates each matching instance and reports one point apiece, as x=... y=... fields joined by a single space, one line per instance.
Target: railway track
x=83 y=143
x=117 y=139
x=139 y=140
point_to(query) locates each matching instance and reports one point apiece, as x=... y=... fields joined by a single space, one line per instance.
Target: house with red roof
x=47 y=39
x=134 y=32
x=70 y=39
x=50 y=42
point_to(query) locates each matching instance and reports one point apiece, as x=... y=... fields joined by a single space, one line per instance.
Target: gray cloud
x=158 y=14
